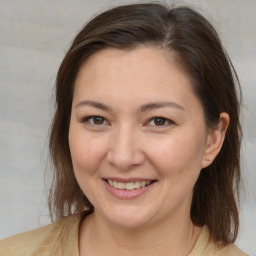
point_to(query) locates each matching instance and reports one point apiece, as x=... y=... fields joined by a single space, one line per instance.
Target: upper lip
x=128 y=179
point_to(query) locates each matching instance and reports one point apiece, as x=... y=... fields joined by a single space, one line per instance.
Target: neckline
x=71 y=231
x=201 y=243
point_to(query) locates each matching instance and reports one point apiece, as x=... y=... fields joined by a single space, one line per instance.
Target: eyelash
x=165 y=120
x=87 y=119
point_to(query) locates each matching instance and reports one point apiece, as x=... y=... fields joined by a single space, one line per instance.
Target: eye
x=95 y=120
x=160 y=121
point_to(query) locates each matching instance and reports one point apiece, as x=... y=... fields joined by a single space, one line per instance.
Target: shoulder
x=205 y=246
x=41 y=241
x=228 y=250
x=231 y=250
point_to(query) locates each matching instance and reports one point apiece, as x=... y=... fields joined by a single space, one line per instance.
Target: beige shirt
x=61 y=239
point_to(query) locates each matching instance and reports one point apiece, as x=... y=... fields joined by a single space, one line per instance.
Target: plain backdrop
x=34 y=35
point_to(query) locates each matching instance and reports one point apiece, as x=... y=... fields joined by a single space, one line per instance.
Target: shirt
x=61 y=239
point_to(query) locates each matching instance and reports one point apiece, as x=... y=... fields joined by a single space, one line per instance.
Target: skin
x=128 y=142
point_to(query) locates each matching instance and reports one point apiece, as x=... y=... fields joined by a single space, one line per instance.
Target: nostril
x=125 y=160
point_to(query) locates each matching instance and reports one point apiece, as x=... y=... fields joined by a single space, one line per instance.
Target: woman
x=145 y=140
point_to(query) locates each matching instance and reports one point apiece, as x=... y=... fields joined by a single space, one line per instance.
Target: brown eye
x=98 y=120
x=159 y=121
x=95 y=120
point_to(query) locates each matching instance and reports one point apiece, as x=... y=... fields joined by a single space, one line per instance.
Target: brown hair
x=197 y=48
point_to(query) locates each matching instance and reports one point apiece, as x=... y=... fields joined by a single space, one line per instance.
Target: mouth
x=129 y=185
x=127 y=189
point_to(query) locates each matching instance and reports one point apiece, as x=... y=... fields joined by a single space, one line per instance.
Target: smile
x=127 y=189
x=128 y=185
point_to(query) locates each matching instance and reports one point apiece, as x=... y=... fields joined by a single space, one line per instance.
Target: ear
x=215 y=139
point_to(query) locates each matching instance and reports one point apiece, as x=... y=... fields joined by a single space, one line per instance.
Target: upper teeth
x=128 y=185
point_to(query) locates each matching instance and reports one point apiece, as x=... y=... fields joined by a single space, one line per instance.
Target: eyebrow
x=94 y=104
x=143 y=108
x=157 y=105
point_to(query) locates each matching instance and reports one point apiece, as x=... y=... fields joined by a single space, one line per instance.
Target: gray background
x=34 y=36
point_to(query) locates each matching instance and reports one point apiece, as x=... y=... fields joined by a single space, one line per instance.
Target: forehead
x=134 y=67
x=142 y=74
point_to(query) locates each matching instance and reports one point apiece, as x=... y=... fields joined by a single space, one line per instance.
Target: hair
x=196 y=47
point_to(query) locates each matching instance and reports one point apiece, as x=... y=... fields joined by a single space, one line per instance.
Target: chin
x=128 y=222
x=128 y=218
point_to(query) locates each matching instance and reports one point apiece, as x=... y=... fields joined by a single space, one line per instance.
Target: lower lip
x=126 y=194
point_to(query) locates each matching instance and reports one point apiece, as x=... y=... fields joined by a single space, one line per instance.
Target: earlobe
x=215 y=139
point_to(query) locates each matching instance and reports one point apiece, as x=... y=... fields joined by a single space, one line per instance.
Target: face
x=137 y=136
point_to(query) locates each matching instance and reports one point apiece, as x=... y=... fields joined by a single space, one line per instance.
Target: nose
x=125 y=150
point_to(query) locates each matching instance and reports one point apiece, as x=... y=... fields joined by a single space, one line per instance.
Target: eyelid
x=87 y=118
x=169 y=121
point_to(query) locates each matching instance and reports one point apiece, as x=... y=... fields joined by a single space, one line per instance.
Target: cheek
x=86 y=152
x=181 y=153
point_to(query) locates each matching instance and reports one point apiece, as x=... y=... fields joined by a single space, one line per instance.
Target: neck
x=155 y=239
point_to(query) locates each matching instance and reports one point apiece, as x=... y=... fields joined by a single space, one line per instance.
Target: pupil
x=159 y=121
x=98 y=120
